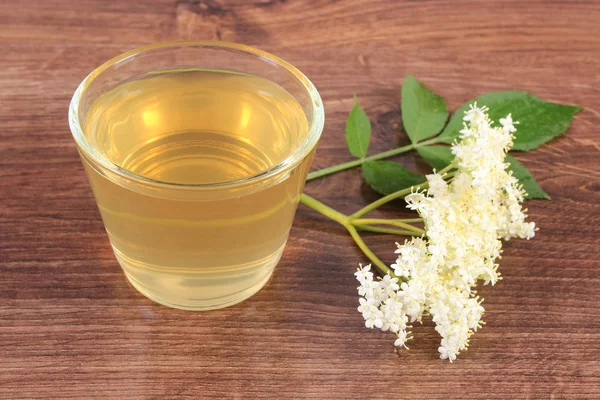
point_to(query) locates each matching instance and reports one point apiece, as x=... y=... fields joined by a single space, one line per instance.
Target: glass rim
x=292 y=160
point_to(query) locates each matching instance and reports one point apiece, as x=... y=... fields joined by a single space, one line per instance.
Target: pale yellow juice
x=183 y=245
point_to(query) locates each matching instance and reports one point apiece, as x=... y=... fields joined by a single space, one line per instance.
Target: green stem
x=352 y=222
x=324 y=209
x=409 y=220
x=388 y=231
x=396 y=195
x=446 y=169
x=363 y=246
x=386 y=199
x=350 y=164
x=391 y=222
x=345 y=222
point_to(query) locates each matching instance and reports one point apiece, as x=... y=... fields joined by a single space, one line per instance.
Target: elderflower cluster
x=465 y=220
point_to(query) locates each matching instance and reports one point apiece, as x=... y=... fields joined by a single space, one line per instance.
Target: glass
x=181 y=243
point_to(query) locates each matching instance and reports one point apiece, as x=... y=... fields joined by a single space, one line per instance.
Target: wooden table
x=72 y=327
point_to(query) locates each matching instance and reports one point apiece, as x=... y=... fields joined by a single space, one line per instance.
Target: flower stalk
x=355 y=163
x=353 y=224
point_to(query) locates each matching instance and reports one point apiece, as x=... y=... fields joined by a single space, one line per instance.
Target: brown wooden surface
x=72 y=327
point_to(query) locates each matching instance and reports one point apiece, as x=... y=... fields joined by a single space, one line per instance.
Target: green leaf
x=424 y=113
x=358 y=131
x=534 y=191
x=387 y=177
x=539 y=120
x=437 y=156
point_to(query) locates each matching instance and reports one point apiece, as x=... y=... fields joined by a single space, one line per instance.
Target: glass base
x=201 y=291
x=199 y=305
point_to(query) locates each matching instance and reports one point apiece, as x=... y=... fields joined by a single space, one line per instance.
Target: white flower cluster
x=464 y=222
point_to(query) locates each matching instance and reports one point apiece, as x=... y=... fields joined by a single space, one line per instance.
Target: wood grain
x=71 y=326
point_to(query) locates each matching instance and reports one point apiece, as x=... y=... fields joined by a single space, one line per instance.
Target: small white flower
x=400 y=269
x=372 y=315
x=389 y=284
x=446 y=354
x=508 y=124
x=364 y=274
x=437 y=185
x=370 y=289
x=394 y=316
x=476 y=115
x=402 y=338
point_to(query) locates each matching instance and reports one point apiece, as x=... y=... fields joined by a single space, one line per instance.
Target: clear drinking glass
x=196 y=246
